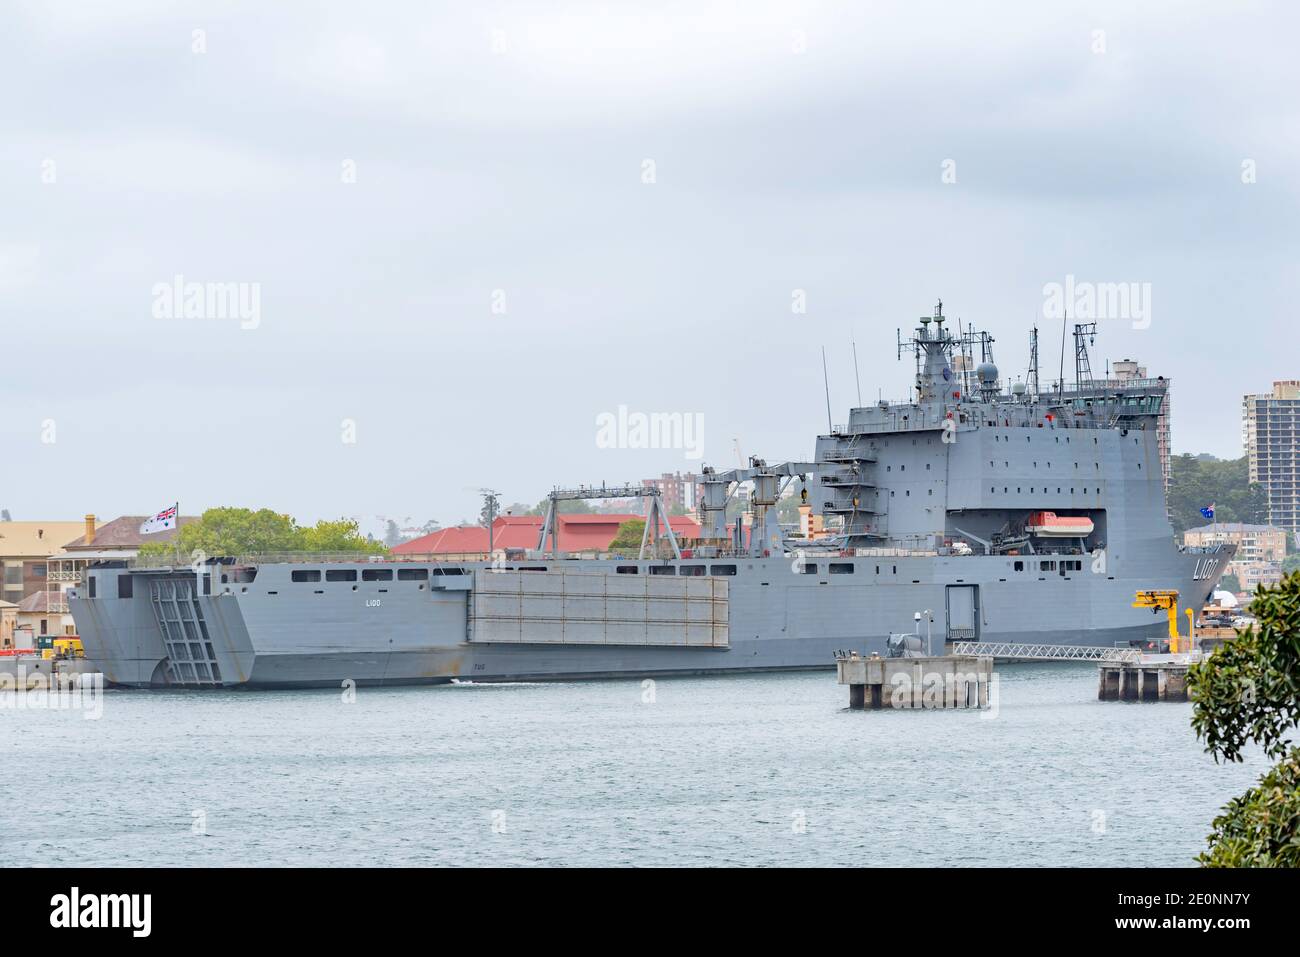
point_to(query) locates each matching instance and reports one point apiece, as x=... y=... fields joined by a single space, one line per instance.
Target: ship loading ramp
x=579 y=608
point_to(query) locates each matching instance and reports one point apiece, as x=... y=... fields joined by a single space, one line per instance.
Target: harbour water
x=737 y=770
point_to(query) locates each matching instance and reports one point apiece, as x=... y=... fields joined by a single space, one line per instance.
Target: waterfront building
x=1271 y=436
x=680 y=493
x=24 y=546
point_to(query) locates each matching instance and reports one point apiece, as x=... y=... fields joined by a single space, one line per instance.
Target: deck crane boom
x=1156 y=600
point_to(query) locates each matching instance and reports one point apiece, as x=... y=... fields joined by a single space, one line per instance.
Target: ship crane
x=1156 y=600
x=717 y=489
x=657 y=525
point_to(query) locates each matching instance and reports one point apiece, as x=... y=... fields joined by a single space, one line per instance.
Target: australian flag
x=1208 y=510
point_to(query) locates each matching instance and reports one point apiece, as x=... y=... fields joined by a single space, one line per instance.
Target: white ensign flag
x=164 y=520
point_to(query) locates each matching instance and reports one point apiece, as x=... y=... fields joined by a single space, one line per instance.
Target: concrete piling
x=950 y=681
x=1145 y=680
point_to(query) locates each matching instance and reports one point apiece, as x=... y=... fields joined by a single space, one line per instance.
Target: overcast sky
x=384 y=174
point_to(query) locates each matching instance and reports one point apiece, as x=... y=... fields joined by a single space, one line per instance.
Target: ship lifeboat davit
x=1051 y=525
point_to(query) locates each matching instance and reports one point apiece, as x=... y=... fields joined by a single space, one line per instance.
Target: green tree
x=241 y=531
x=787 y=509
x=567 y=507
x=1230 y=583
x=340 y=535
x=1195 y=483
x=230 y=531
x=1247 y=692
x=629 y=536
x=491 y=509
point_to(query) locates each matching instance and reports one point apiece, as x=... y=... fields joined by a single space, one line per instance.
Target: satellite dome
x=987 y=372
x=1018 y=388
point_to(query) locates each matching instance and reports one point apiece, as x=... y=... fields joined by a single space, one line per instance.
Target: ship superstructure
x=998 y=512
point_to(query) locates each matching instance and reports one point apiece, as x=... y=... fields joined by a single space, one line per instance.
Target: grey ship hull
x=962 y=464
x=276 y=633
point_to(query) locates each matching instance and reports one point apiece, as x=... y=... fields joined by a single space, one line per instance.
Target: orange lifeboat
x=1051 y=525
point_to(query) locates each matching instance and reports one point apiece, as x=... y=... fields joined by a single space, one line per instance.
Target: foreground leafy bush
x=1249 y=692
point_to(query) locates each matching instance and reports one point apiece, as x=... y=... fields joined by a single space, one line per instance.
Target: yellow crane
x=64 y=648
x=1156 y=600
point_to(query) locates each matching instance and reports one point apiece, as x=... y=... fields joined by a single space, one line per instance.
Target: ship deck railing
x=185 y=563
x=899 y=549
x=190 y=561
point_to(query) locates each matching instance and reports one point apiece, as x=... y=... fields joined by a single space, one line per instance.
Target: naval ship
x=997 y=511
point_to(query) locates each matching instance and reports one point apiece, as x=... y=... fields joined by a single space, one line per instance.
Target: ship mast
x=933 y=352
x=1082 y=368
x=1033 y=363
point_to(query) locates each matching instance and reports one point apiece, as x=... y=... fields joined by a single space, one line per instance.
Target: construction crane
x=1156 y=600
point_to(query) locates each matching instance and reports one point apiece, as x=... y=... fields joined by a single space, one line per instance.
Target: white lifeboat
x=1051 y=525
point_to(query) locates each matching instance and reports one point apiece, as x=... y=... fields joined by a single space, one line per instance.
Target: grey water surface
x=734 y=770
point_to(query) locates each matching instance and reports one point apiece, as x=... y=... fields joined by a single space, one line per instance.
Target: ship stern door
x=963 y=603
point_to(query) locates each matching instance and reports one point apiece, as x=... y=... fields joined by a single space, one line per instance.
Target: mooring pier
x=961 y=679
x=1150 y=678
x=27 y=672
x=930 y=682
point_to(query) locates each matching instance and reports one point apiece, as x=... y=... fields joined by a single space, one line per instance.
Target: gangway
x=1015 y=652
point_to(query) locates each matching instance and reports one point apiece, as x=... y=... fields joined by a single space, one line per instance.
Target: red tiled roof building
x=578 y=533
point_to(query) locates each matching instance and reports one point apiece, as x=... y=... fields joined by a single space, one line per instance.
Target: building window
x=312 y=575
x=125 y=586
x=412 y=574
x=722 y=570
x=842 y=568
x=376 y=574
x=340 y=574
